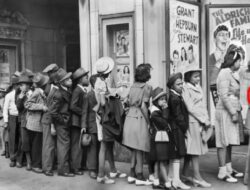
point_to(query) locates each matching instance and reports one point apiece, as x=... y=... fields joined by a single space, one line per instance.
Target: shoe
x=66 y=174
x=180 y=185
x=131 y=179
x=37 y=170
x=3 y=153
x=186 y=178
x=237 y=174
x=201 y=183
x=48 y=173
x=12 y=164
x=117 y=174
x=160 y=186
x=92 y=175
x=151 y=178
x=228 y=178
x=78 y=172
x=18 y=165
x=105 y=180
x=28 y=167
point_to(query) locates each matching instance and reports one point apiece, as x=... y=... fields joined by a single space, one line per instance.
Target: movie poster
x=184 y=36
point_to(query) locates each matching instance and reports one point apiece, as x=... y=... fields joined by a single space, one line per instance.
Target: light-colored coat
x=198 y=116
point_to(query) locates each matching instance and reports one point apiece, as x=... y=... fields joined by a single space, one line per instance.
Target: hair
x=123 y=38
x=242 y=51
x=185 y=54
x=142 y=72
x=175 y=52
x=229 y=59
x=125 y=68
x=188 y=75
x=92 y=80
x=191 y=47
x=221 y=28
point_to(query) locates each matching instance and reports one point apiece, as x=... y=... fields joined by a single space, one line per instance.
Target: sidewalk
x=20 y=179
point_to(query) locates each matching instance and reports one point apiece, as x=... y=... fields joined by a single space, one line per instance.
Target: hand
x=235 y=118
x=45 y=108
x=207 y=123
x=83 y=130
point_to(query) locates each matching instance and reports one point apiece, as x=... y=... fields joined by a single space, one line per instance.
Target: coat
x=35 y=105
x=88 y=119
x=21 y=109
x=160 y=151
x=198 y=116
x=60 y=112
x=78 y=101
x=178 y=118
x=49 y=101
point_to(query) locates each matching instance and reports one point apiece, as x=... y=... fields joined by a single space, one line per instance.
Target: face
x=190 y=54
x=236 y=65
x=222 y=40
x=162 y=101
x=85 y=80
x=67 y=83
x=126 y=69
x=178 y=86
x=24 y=87
x=195 y=78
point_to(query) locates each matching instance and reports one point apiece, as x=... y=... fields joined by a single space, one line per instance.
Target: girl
x=198 y=122
x=178 y=117
x=136 y=126
x=160 y=149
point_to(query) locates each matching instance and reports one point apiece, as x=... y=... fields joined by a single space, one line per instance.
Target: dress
x=195 y=102
x=227 y=132
x=135 y=131
x=160 y=151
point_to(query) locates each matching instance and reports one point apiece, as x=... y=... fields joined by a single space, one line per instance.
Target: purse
x=161 y=136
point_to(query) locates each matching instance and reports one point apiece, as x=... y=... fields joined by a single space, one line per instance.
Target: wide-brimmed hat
x=24 y=79
x=4 y=87
x=104 y=65
x=172 y=78
x=157 y=93
x=61 y=75
x=79 y=73
x=14 y=79
x=85 y=139
x=17 y=74
x=27 y=72
x=40 y=79
x=51 y=68
x=191 y=68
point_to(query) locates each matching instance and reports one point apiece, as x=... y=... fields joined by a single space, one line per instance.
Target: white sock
x=176 y=171
x=222 y=172
x=156 y=182
x=229 y=167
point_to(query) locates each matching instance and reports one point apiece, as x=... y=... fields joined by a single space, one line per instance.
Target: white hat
x=104 y=65
x=192 y=68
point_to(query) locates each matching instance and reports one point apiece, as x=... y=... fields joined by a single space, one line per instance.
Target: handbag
x=161 y=135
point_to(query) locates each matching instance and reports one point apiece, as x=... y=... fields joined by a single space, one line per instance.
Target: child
x=3 y=130
x=160 y=148
x=78 y=102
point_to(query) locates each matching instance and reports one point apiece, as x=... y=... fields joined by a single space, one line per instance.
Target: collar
x=194 y=87
x=84 y=89
x=175 y=92
x=64 y=88
x=154 y=108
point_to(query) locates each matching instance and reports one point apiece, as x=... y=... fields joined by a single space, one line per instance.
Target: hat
x=27 y=72
x=17 y=74
x=14 y=79
x=24 y=79
x=104 y=65
x=51 y=68
x=4 y=87
x=85 y=139
x=40 y=79
x=79 y=73
x=172 y=78
x=157 y=93
x=191 y=68
x=61 y=75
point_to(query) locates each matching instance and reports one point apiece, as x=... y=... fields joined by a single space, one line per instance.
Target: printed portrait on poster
x=122 y=43
x=226 y=25
x=4 y=67
x=123 y=75
x=184 y=36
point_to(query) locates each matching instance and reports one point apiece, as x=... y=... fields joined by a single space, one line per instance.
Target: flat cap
x=51 y=68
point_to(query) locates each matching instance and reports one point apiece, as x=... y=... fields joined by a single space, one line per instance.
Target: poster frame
x=197 y=4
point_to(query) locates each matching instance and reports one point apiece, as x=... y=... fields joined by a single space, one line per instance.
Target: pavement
x=20 y=179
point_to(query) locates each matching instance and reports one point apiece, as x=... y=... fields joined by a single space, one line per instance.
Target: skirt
x=226 y=132
x=135 y=131
x=194 y=143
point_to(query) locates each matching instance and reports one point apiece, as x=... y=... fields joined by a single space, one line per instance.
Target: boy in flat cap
x=51 y=70
x=60 y=117
x=78 y=101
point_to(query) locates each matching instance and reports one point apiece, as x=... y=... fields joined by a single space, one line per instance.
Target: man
x=51 y=70
x=60 y=118
x=10 y=117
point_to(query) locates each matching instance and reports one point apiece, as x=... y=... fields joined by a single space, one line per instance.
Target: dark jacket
x=60 y=111
x=78 y=102
x=21 y=109
x=46 y=118
x=178 y=118
x=88 y=119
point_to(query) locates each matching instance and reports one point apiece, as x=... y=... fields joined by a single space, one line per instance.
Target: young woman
x=227 y=114
x=178 y=118
x=198 y=122
x=136 y=126
x=160 y=149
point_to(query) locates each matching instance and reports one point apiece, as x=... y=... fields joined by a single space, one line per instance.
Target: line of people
x=48 y=124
